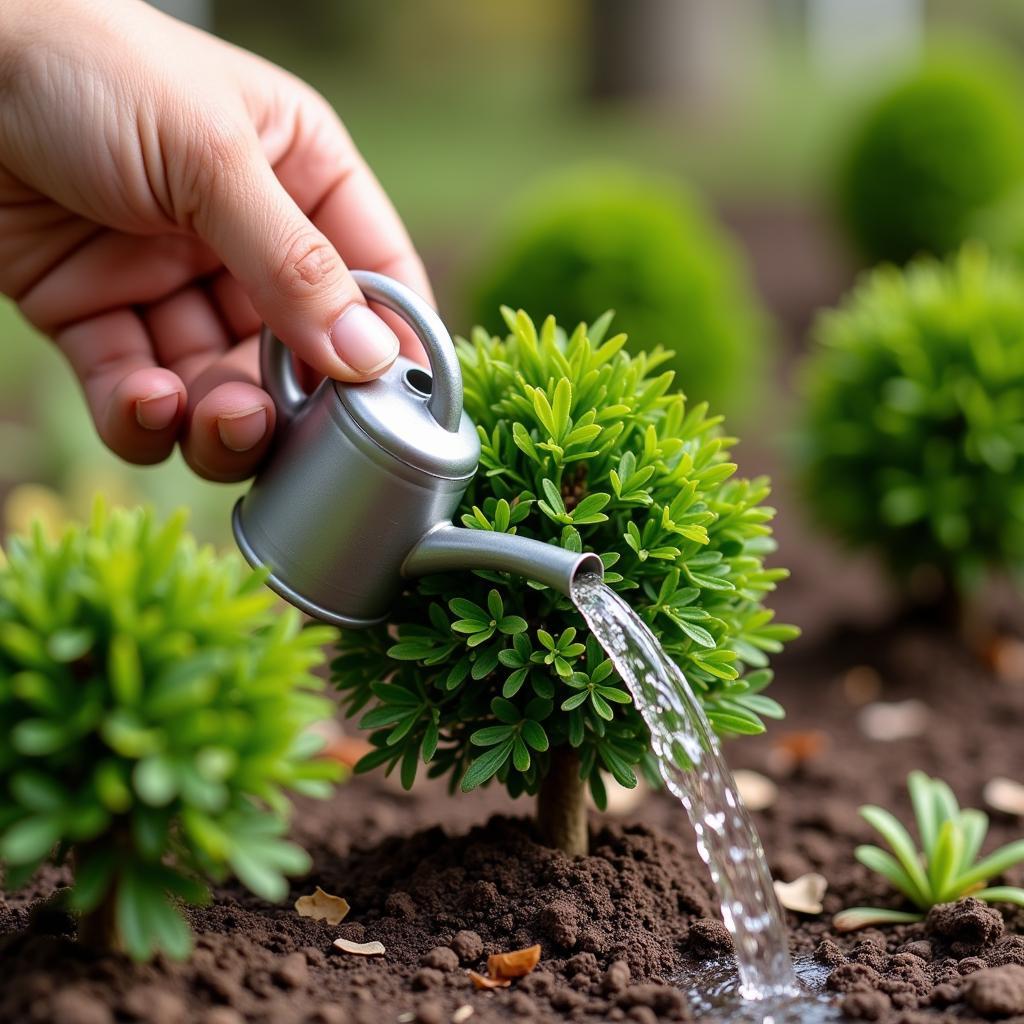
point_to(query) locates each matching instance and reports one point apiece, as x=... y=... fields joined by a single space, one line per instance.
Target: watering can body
x=361 y=484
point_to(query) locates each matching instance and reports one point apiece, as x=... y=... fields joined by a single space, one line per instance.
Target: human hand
x=162 y=193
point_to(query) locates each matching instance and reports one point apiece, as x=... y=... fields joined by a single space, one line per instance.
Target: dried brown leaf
x=514 y=964
x=799 y=747
x=322 y=906
x=1005 y=795
x=360 y=948
x=861 y=685
x=482 y=981
x=757 y=791
x=802 y=895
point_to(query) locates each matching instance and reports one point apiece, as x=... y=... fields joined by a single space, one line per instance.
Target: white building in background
x=848 y=38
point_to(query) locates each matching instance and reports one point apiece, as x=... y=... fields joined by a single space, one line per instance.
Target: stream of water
x=691 y=763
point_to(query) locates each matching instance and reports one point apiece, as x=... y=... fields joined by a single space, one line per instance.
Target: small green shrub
x=912 y=435
x=945 y=869
x=484 y=676
x=603 y=239
x=932 y=151
x=153 y=707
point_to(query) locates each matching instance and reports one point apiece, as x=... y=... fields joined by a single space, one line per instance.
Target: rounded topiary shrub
x=914 y=427
x=483 y=676
x=599 y=239
x=154 y=709
x=929 y=153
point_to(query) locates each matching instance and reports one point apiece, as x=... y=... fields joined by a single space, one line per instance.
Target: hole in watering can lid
x=419 y=380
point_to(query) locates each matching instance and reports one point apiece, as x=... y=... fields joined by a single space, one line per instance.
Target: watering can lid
x=393 y=411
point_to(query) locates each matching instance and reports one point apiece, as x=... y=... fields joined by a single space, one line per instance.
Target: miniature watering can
x=360 y=487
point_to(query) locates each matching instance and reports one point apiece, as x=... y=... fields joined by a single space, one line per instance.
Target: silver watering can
x=360 y=487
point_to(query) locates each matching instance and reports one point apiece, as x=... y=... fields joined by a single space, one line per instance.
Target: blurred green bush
x=913 y=433
x=604 y=238
x=930 y=152
x=155 y=709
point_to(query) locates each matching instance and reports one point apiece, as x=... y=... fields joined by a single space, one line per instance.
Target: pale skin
x=162 y=194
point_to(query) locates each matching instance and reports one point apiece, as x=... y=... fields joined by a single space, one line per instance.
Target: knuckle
x=308 y=265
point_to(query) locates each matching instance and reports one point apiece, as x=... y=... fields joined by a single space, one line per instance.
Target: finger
x=331 y=181
x=234 y=306
x=187 y=333
x=137 y=406
x=230 y=420
x=112 y=271
x=294 y=276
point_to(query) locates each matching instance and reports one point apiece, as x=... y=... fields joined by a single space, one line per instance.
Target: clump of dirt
x=614 y=927
x=958 y=960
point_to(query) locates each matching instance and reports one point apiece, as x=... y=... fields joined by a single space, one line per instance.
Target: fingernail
x=156 y=412
x=243 y=430
x=363 y=340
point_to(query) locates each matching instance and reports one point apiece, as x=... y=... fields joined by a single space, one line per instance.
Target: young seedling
x=945 y=869
x=154 y=709
x=486 y=677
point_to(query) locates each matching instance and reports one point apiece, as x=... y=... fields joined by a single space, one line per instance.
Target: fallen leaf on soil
x=322 y=906
x=757 y=791
x=1002 y=794
x=889 y=721
x=1005 y=654
x=462 y=1014
x=514 y=964
x=802 y=746
x=802 y=895
x=482 y=981
x=360 y=948
x=861 y=685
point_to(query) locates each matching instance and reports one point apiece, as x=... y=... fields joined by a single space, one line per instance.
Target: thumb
x=293 y=275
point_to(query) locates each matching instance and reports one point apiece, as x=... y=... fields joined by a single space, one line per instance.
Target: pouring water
x=694 y=770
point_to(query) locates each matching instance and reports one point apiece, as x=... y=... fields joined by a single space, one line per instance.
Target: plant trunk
x=97 y=928
x=562 y=806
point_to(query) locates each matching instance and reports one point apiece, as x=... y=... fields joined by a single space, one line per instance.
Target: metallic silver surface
x=363 y=479
x=448 y=547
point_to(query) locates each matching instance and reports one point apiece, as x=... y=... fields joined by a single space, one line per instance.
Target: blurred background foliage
x=466 y=109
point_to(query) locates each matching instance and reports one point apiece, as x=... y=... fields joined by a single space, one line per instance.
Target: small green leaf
x=486 y=766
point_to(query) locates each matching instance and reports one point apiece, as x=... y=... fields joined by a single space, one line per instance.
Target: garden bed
x=615 y=929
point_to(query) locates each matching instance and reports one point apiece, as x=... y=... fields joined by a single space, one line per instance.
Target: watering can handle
x=277 y=370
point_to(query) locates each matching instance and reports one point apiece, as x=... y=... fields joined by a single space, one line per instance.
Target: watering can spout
x=446 y=548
